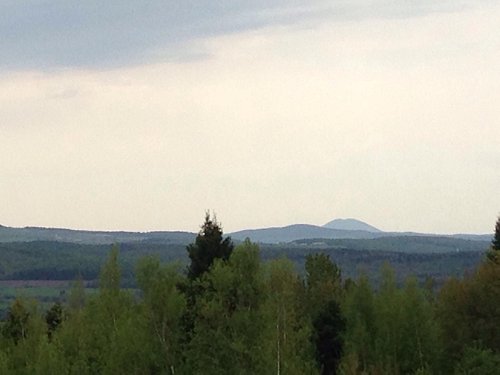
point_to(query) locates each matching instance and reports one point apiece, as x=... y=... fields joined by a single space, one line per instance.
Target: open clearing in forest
x=44 y=292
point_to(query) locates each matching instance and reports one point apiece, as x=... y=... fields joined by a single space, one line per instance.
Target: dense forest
x=437 y=257
x=232 y=311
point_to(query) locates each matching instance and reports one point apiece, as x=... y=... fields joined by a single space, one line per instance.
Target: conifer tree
x=493 y=254
x=323 y=287
x=496 y=238
x=208 y=246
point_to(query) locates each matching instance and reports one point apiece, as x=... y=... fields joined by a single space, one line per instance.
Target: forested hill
x=63 y=254
x=233 y=313
x=295 y=232
x=26 y=234
x=402 y=244
x=264 y=235
x=423 y=257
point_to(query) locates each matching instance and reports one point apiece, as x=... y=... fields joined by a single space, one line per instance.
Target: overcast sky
x=142 y=115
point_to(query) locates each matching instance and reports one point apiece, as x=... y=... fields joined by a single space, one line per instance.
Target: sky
x=143 y=115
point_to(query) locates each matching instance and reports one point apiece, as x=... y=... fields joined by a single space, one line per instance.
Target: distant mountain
x=298 y=232
x=351 y=224
x=312 y=232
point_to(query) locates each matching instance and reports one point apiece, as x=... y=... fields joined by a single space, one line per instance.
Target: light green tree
x=230 y=326
x=162 y=307
x=290 y=339
x=359 y=340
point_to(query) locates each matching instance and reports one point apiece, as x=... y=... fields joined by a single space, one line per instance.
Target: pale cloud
x=392 y=120
x=59 y=34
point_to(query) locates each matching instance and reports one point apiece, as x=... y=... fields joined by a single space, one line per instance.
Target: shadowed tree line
x=231 y=313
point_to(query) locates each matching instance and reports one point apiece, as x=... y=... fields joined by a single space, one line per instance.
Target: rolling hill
x=297 y=232
x=336 y=229
x=28 y=234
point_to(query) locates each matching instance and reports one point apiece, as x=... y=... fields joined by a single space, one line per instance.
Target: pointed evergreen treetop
x=495 y=244
x=493 y=254
x=208 y=246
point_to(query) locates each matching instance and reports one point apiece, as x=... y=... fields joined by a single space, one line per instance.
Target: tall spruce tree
x=494 y=252
x=495 y=244
x=208 y=246
x=323 y=289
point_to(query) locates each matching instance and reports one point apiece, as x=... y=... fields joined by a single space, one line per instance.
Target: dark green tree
x=208 y=246
x=54 y=317
x=496 y=238
x=494 y=253
x=323 y=281
x=329 y=326
x=323 y=289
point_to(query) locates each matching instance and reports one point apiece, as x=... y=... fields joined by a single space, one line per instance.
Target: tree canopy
x=248 y=316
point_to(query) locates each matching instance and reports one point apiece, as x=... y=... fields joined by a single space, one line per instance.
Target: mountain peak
x=350 y=224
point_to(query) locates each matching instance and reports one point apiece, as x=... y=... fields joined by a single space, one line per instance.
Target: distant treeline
x=422 y=257
x=228 y=312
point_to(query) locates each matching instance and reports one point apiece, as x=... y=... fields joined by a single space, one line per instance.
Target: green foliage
x=109 y=281
x=4 y=363
x=469 y=313
x=131 y=346
x=16 y=325
x=76 y=299
x=328 y=328
x=323 y=289
x=250 y=318
x=54 y=317
x=477 y=361
x=361 y=257
x=231 y=326
x=419 y=340
x=359 y=311
x=420 y=256
x=49 y=360
x=286 y=309
x=323 y=281
x=162 y=308
x=393 y=331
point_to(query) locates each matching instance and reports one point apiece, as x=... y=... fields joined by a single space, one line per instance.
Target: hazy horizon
x=115 y=116
x=234 y=230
